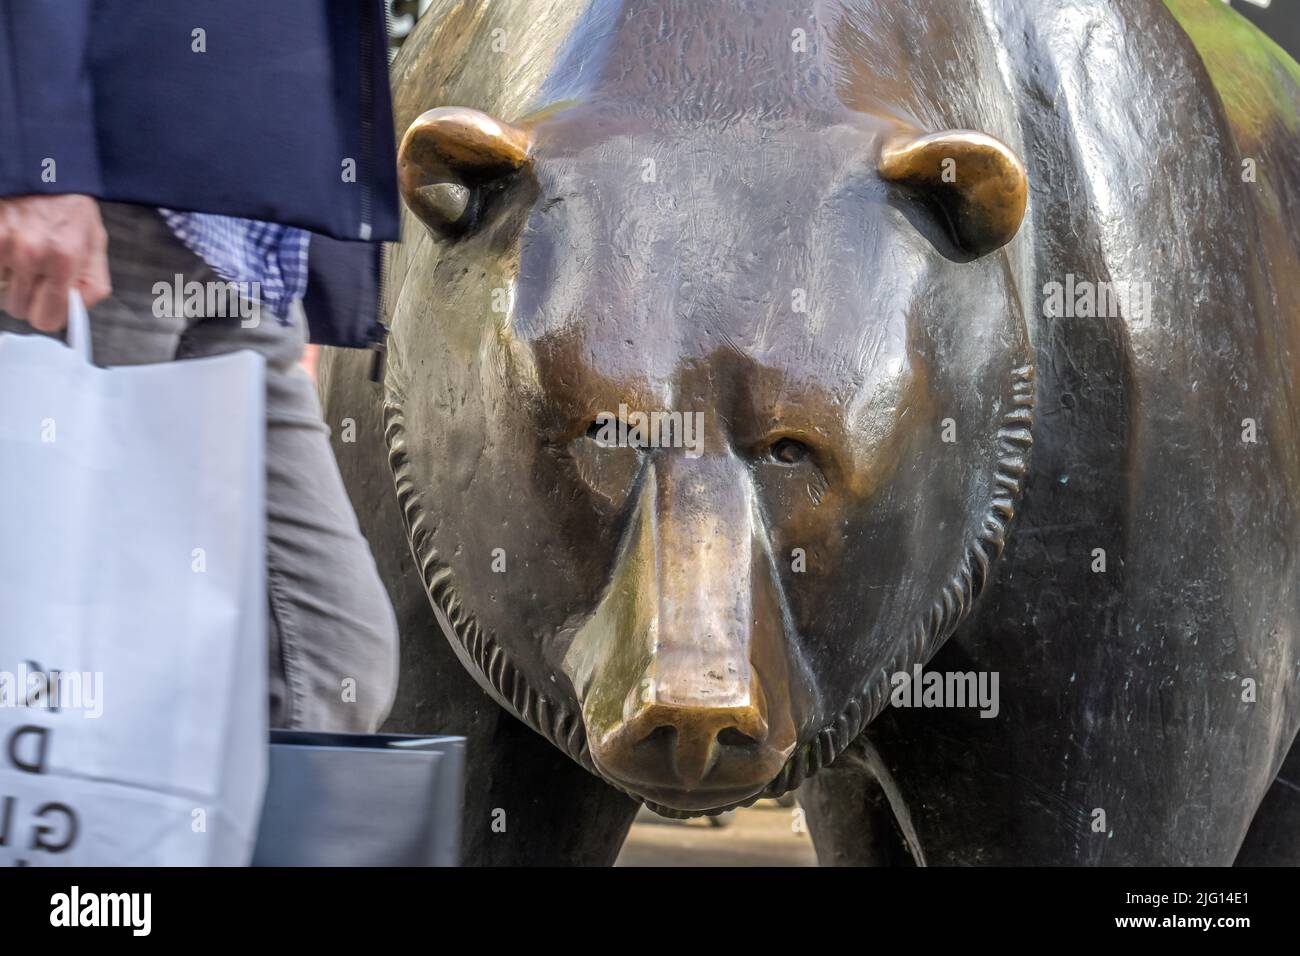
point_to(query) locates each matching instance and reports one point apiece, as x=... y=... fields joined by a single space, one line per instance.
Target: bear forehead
x=623 y=161
x=706 y=366
x=651 y=250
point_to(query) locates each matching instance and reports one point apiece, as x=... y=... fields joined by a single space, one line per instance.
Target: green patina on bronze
x=1256 y=79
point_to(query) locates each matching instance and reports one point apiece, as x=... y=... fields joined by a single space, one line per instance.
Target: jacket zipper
x=367 y=120
x=379 y=339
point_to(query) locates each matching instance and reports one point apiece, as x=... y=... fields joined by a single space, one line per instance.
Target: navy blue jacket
x=277 y=110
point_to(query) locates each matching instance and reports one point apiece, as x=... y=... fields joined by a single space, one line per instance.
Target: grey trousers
x=333 y=634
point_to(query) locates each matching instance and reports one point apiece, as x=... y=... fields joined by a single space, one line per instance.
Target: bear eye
x=789 y=451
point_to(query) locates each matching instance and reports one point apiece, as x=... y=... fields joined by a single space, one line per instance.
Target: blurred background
x=1280 y=19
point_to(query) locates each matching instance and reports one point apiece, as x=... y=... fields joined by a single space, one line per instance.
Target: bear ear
x=448 y=156
x=977 y=181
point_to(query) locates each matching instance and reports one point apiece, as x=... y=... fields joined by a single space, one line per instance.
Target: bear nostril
x=735 y=737
x=664 y=736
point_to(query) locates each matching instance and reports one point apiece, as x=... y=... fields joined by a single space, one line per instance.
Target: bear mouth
x=562 y=725
x=694 y=802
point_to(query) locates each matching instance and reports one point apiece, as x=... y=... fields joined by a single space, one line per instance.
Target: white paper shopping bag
x=132 y=606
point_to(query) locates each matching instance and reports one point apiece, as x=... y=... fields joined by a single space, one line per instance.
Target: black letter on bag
x=6 y=820
x=41 y=749
x=38 y=832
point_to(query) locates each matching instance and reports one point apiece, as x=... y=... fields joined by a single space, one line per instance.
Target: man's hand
x=49 y=245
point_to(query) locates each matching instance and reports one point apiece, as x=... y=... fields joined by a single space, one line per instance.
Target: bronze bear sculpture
x=721 y=331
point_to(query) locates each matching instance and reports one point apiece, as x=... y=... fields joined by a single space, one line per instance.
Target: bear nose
x=683 y=670
x=692 y=751
x=687 y=741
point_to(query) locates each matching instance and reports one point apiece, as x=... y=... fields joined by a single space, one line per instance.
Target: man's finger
x=49 y=305
x=95 y=283
x=17 y=299
x=53 y=265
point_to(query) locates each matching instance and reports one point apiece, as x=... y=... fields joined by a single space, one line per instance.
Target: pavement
x=762 y=835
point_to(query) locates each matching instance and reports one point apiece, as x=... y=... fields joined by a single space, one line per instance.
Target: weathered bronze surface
x=797 y=225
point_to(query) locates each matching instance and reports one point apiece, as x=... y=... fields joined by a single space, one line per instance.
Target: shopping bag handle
x=78 y=325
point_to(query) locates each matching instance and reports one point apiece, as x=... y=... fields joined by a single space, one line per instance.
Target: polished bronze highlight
x=978 y=182
x=446 y=155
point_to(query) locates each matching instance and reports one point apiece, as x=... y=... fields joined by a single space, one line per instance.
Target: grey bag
x=361 y=800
